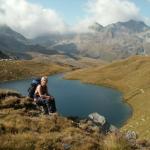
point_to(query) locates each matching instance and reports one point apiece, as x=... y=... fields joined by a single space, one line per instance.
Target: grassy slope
x=132 y=77
x=13 y=70
x=23 y=127
x=80 y=62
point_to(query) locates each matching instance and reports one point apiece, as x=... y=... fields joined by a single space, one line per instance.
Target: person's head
x=44 y=81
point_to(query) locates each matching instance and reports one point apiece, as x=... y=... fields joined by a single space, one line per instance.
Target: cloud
x=147 y=20
x=30 y=19
x=107 y=12
x=33 y=20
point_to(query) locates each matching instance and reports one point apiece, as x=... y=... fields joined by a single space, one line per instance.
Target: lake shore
x=32 y=129
x=77 y=95
x=129 y=76
x=17 y=69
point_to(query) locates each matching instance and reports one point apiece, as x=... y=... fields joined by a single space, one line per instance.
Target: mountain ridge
x=133 y=26
x=16 y=45
x=116 y=41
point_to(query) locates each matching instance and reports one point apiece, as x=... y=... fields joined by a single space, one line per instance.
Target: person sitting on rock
x=43 y=98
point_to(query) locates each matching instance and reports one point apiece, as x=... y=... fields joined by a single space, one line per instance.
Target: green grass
x=132 y=77
x=14 y=70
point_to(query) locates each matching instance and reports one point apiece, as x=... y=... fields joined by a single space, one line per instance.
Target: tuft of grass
x=7 y=92
x=115 y=142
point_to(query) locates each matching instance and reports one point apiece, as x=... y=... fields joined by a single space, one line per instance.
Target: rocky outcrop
x=102 y=123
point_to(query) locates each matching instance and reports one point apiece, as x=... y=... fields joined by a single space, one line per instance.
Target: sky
x=34 y=18
x=72 y=10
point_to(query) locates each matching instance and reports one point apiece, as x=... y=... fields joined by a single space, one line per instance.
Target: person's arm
x=49 y=96
x=39 y=91
x=47 y=93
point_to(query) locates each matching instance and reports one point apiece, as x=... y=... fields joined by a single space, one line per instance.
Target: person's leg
x=52 y=106
x=43 y=103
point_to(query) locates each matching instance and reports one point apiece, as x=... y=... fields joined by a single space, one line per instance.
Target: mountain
x=9 y=33
x=11 y=40
x=3 y=55
x=96 y=26
x=16 y=45
x=59 y=44
x=129 y=27
x=134 y=26
x=116 y=41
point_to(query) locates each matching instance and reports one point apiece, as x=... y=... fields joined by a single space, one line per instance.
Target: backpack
x=32 y=88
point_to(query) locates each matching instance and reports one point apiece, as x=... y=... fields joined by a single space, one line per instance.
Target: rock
x=66 y=146
x=101 y=122
x=131 y=135
x=97 y=118
x=113 y=128
x=83 y=126
x=95 y=129
x=105 y=128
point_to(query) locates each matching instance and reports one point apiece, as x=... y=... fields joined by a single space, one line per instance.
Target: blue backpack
x=32 y=88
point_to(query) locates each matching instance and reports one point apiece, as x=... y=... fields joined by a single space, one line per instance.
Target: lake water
x=74 y=98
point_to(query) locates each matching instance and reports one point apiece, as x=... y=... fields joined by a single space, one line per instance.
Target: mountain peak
x=134 y=23
x=131 y=26
x=9 y=32
x=5 y=28
x=96 y=27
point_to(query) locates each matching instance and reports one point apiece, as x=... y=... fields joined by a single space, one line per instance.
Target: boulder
x=113 y=128
x=97 y=118
x=131 y=135
x=101 y=122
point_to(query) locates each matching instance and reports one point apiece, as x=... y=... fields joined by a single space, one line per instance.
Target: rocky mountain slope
x=3 y=55
x=115 y=41
x=16 y=45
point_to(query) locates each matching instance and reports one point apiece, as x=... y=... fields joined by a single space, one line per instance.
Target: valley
x=115 y=56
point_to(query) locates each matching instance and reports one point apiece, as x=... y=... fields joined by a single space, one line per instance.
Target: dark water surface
x=74 y=98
